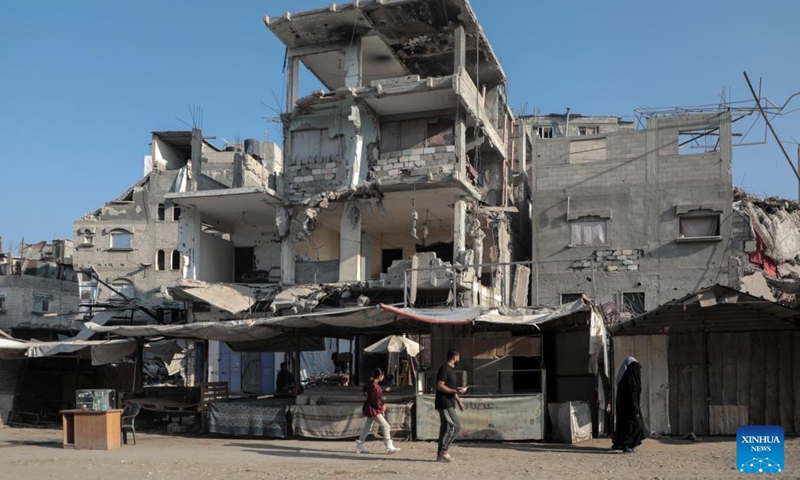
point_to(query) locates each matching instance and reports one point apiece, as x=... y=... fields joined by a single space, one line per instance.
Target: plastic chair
x=128 y=418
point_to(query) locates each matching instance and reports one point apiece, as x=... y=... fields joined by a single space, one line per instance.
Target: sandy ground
x=34 y=454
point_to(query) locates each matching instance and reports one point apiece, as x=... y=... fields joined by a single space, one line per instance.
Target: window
x=160 y=260
x=699 y=227
x=570 y=297
x=120 y=239
x=176 y=260
x=588 y=130
x=2 y=303
x=544 y=132
x=588 y=232
x=161 y=212
x=85 y=237
x=699 y=141
x=634 y=302
x=124 y=287
x=86 y=277
x=176 y=213
x=41 y=304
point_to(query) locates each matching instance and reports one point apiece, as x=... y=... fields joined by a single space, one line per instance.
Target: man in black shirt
x=446 y=400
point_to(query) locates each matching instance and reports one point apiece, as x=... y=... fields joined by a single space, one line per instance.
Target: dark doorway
x=389 y=255
x=443 y=251
x=243 y=263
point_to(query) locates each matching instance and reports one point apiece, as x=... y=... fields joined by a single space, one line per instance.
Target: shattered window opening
x=120 y=239
x=176 y=213
x=699 y=226
x=570 y=297
x=161 y=212
x=41 y=305
x=634 y=302
x=160 y=260
x=588 y=130
x=544 y=132
x=125 y=287
x=588 y=232
x=176 y=260
x=693 y=142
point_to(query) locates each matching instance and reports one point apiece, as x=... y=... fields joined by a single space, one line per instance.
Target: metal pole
x=769 y=124
x=798 y=168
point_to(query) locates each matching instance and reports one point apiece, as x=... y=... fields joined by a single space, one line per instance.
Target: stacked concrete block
x=611 y=260
x=312 y=175
x=415 y=162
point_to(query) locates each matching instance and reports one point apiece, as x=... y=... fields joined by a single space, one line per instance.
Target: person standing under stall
x=445 y=403
x=630 y=429
x=284 y=384
x=374 y=409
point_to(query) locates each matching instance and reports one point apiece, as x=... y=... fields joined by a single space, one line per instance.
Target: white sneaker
x=360 y=447
x=444 y=457
x=392 y=449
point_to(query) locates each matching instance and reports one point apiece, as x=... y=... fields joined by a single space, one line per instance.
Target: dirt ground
x=34 y=454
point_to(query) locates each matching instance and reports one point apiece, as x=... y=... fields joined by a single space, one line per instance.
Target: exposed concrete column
x=459 y=49
x=197 y=151
x=350 y=269
x=287 y=261
x=459 y=229
x=460 y=128
x=292 y=82
x=190 y=231
x=352 y=65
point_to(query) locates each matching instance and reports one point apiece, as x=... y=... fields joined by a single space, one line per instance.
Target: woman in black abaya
x=630 y=429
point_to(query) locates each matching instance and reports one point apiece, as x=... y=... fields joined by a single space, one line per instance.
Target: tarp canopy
x=303 y=331
x=394 y=344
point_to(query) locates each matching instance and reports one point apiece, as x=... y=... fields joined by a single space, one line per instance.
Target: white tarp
x=46 y=349
x=394 y=344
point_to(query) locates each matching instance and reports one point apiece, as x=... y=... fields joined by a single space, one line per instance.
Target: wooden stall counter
x=91 y=429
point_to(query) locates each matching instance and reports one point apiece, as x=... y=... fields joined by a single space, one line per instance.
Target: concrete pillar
x=459 y=49
x=292 y=82
x=197 y=152
x=350 y=244
x=190 y=230
x=352 y=65
x=459 y=229
x=366 y=255
x=287 y=261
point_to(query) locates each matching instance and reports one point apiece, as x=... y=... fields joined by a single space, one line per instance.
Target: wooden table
x=92 y=430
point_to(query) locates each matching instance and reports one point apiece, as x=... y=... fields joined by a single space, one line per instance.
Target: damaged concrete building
x=38 y=291
x=634 y=217
x=407 y=162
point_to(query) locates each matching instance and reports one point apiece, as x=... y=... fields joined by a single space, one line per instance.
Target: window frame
x=122 y=285
x=541 y=129
x=161 y=212
x=696 y=215
x=584 y=130
x=119 y=232
x=577 y=296
x=172 y=259
x=585 y=220
x=628 y=304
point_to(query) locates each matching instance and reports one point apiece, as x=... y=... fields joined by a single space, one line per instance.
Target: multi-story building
x=39 y=291
x=633 y=217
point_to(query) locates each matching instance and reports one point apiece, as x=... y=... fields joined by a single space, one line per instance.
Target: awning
x=712 y=309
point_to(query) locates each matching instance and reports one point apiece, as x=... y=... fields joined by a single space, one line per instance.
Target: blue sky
x=82 y=84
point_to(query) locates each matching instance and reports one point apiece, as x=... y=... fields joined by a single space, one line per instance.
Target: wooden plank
x=641 y=348
x=743 y=364
x=659 y=384
x=729 y=369
x=716 y=360
x=796 y=380
x=699 y=399
x=685 y=401
x=772 y=410
x=757 y=379
x=676 y=363
x=785 y=390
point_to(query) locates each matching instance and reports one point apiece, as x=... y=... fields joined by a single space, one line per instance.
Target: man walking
x=446 y=400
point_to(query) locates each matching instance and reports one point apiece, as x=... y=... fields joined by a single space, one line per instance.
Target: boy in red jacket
x=374 y=409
